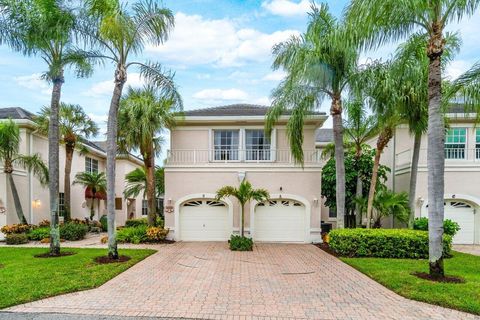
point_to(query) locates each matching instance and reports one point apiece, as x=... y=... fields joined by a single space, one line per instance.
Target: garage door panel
x=463 y=214
x=204 y=220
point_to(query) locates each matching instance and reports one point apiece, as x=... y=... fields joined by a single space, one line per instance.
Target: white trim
x=30 y=181
x=305 y=202
x=177 y=235
x=256 y=167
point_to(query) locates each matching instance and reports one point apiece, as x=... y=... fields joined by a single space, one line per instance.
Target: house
x=215 y=147
x=35 y=198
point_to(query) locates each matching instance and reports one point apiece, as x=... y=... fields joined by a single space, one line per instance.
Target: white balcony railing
x=452 y=155
x=191 y=157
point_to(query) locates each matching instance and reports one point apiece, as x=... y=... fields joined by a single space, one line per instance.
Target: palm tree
x=75 y=125
x=118 y=33
x=137 y=183
x=95 y=182
x=388 y=203
x=10 y=157
x=379 y=21
x=243 y=193
x=319 y=64
x=44 y=28
x=143 y=116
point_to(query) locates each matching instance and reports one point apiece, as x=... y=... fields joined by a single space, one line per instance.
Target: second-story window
x=477 y=143
x=91 y=165
x=257 y=145
x=226 y=144
x=455 y=142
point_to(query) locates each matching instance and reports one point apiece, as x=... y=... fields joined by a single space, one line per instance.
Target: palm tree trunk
x=120 y=79
x=382 y=141
x=242 y=227
x=92 y=208
x=68 y=169
x=359 y=190
x=413 y=177
x=150 y=171
x=336 y=112
x=436 y=155
x=16 y=199
x=53 y=164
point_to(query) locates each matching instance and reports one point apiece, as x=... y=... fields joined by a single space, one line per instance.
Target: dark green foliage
x=384 y=243
x=103 y=222
x=159 y=222
x=239 y=243
x=133 y=235
x=73 y=231
x=449 y=227
x=39 y=233
x=353 y=168
x=136 y=222
x=16 y=238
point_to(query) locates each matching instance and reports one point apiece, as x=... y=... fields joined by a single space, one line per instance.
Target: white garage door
x=463 y=214
x=280 y=221
x=204 y=220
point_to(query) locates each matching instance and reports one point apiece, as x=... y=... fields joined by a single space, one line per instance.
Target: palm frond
x=34 y=164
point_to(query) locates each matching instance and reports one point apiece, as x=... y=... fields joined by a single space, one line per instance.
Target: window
x=332 y=213
x=477 y=144
x=144 y=207
x=91 y=165
x=257 y=145
x=61 y=204
x=455 y=143
x=118 y=203
x=226 y=144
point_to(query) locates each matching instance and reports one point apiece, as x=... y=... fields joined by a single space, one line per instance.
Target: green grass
x=395 y=274
x=24 y=278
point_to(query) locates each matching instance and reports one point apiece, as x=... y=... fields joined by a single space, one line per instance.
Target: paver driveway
x=206 y=280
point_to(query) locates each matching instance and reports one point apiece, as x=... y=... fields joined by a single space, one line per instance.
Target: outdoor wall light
x=315 y=201
x=420 y=201
x=2 y=207
x=169 y=201
x=36 y=203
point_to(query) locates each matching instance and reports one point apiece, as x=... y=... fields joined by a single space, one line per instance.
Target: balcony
x=237 y=156
x=453 y=157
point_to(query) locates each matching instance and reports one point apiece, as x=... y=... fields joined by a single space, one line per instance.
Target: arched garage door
x=280 y=221
x=464 y=214
x=204 y=220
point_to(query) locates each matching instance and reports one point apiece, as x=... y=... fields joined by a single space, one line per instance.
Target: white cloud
x=287 y=8
x=456 y=68
x=199 y=41
x=218 y=95
x=264 y=101
x=101 y=121
x=105 y=88
x=34 y=82
x=277 y=75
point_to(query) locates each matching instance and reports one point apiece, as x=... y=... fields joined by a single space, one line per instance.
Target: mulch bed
x=445 y=279
x=324 y=246
x=48 y=255
x=107 y=259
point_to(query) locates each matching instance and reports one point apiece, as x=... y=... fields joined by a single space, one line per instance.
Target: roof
x=324 y=135
x=16 y=113
x=233 y=110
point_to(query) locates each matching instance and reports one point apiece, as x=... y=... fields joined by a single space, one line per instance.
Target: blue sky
x=220 y=51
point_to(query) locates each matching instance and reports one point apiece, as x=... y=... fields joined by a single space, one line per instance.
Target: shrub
x=449 y=227
x=136 y=222
x=44 y=223
x=16 y=228
x=16 y=238
x=384 y=243
x=239 y=243
x=155 y=234
x=73 y=231
x=134 y=235
x=39 y=233
x=159 y=222
x=103 y=222
x=79 y=221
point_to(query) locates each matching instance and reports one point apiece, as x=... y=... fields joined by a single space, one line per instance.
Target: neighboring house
x=35 y=197
x=220 y=146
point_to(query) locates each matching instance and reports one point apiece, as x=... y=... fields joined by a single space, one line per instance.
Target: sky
x=220 y=51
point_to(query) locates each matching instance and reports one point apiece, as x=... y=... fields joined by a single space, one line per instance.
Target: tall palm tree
x=44 y=28
x=74 y=125
x=243 y=193
x=96 y=183
x=11 y=158
x=379 y=21
x=143 y=116
x=319 y=64
x=119 y=34
x=137 y=183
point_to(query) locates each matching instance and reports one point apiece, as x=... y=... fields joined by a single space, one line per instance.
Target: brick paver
x=275 y=281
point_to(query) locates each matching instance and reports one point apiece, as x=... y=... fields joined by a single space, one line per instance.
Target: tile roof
x=16 y=113
x=233 y=110
x=324 y=135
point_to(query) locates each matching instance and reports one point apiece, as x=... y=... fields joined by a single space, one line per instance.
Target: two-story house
x=220 y=146
x=35 y=198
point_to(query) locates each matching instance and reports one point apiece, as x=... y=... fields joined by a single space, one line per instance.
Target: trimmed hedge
x=73 y=231
x=136 y=222
x=16 y=238
x=39 y=233
x=239 y=243
x=384 y=243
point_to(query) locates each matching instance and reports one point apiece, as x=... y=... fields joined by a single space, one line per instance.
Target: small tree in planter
x=243 y=193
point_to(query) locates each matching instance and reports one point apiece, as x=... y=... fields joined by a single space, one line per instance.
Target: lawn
x=24 y=278
x=395 y=274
